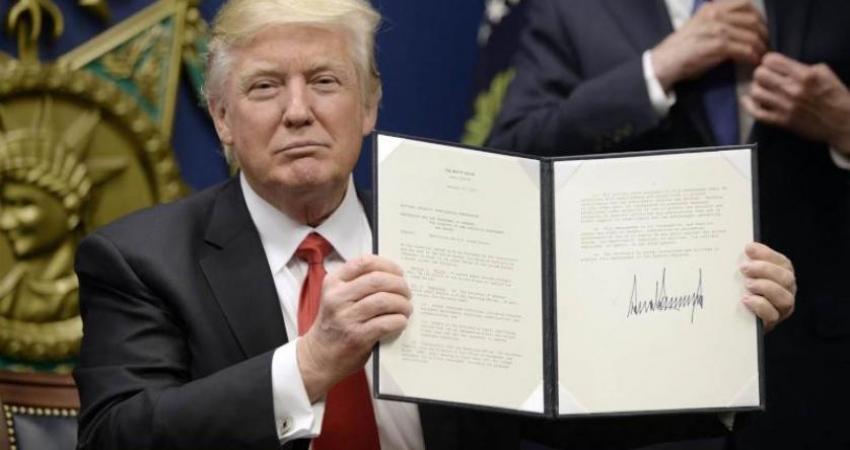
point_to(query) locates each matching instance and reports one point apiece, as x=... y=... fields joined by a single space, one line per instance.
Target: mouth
x=301 y=146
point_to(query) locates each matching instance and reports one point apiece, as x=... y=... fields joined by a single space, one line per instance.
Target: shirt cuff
x=294 y=416
x=661 y=101
x=840 y=159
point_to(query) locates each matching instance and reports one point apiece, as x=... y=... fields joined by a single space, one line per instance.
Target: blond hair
x=239 y=21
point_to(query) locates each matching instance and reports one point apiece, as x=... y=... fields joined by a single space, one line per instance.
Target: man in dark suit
x=599 y=76
x=197 y=315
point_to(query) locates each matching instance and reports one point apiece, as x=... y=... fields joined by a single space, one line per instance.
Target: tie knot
x=313 y=249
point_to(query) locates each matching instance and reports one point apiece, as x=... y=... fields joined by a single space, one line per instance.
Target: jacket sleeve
x=555 y=106
x=134 y=377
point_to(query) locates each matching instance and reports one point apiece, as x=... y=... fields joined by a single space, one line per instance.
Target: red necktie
x=349 y=421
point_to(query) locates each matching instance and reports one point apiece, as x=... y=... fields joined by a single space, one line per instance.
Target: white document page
x=465 y=227
x=649 y=312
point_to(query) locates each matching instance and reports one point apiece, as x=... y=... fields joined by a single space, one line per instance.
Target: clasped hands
x=809 y=100
x=368 y=300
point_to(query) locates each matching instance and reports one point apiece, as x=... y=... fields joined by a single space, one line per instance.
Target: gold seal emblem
x=82 y=142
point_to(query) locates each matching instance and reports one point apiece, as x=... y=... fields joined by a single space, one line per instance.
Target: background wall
x=426 y=52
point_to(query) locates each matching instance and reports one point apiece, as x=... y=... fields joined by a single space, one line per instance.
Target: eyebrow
x=271 y=71
x=329 y=64
x=257 y=72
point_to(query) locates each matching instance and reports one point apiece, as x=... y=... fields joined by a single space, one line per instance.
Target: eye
x=326 y=82
x=262 y=89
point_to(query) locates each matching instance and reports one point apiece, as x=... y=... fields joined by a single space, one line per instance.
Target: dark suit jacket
x=580 y=89
x=181 y=318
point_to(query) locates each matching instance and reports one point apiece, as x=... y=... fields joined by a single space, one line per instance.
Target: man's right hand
x=719 y=31
x=363 y=302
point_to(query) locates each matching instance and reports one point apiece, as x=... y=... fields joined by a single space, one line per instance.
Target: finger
x=785 y=66
x=365 y=264
x=748 y=41
x=737 y=5
x=763 y=310
x=387 y=326
x=778 y=296
x=372 y=283
x=749 y=19
x=741 y=53
x=761 y=114
x=772 y=100
x=716 y=10
x=380 y=304
x=759 y=251
x=825 y=73
x=774 y=81
x=770 y=271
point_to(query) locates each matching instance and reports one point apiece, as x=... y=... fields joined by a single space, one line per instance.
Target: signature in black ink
x=662 y=302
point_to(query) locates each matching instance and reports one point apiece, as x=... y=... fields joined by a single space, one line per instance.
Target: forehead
x=295 y=47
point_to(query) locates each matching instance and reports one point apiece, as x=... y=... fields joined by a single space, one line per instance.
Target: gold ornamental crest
x=83 y=141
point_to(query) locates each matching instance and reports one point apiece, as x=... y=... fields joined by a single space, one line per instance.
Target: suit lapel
x=238 y=274
x=644 y=22
x=787 y=21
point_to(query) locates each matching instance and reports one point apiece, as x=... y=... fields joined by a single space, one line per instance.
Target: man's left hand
x=807 y=99
x=771 y=284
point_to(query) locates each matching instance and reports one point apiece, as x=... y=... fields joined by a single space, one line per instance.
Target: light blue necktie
x=720 y=99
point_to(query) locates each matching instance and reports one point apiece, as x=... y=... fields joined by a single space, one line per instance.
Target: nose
x=298 y=111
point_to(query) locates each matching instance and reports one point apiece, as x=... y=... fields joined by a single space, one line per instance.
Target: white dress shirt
x=680 y=12
x=348 y=231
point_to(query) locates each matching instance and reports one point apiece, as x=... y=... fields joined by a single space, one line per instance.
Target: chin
x=311 y=176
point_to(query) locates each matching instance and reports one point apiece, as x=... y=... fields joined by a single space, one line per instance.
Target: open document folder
x=605 y=284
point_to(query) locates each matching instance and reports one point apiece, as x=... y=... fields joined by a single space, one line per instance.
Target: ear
x=218 y=112
x=370 y=117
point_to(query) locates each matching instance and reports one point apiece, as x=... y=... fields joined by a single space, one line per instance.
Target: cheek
x=254 y=125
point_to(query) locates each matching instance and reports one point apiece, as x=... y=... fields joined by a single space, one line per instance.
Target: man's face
x=292 y=110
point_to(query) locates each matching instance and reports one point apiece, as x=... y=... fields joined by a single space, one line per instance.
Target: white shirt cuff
x=294 y=416
x=661 y=101
x=840 y=159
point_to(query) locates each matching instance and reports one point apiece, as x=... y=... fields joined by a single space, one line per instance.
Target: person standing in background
x=597 y=76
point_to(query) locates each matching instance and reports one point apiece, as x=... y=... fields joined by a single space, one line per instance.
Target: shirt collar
x=281 y=235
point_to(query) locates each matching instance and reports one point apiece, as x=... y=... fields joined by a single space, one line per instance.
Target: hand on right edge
x=770 y=284
x=719 y=31
x=363 y=302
